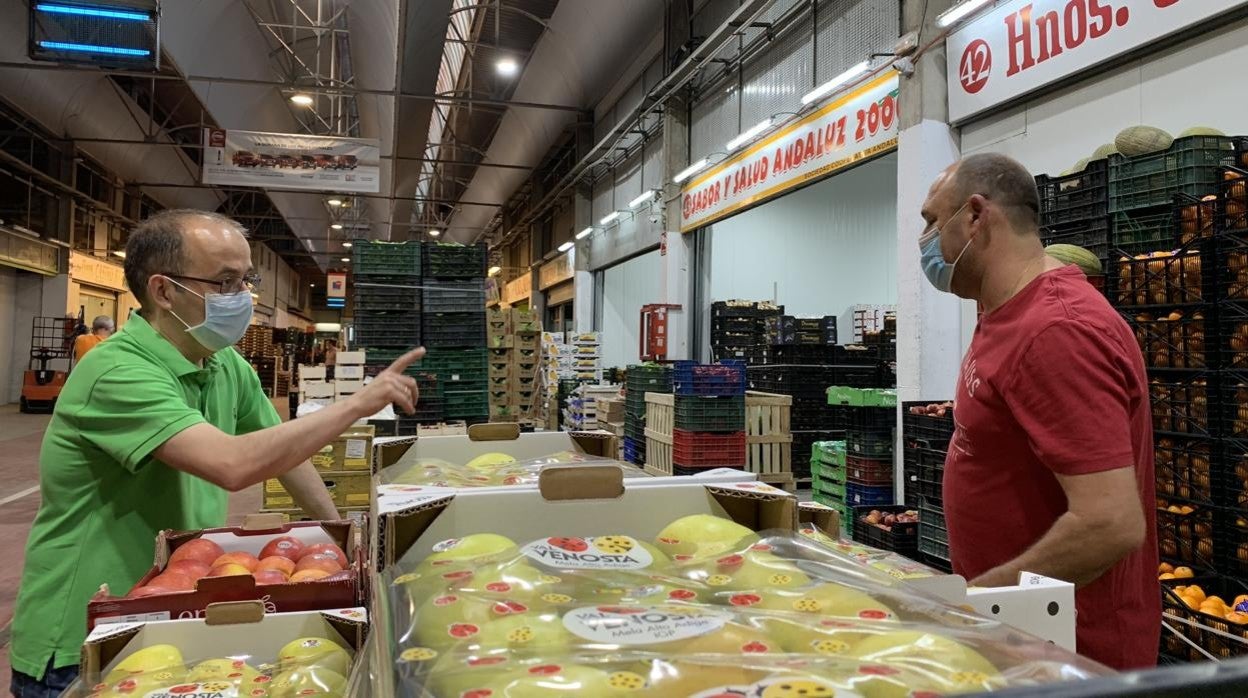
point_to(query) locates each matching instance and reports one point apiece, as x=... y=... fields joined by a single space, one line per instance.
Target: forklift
x=51 y=339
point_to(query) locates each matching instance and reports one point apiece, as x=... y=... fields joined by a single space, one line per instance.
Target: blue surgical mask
x=937 y=270
x=226 y=318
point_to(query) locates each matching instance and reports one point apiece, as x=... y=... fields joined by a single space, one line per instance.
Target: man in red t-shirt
x=1050 y=469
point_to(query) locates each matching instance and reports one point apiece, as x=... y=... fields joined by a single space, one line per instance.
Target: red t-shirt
x=1054 y=383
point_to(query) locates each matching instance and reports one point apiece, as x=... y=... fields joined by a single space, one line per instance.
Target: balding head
x=162 y=245
x=1003 y=181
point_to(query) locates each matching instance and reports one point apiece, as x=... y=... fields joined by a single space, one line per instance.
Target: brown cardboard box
x=529 y=342
x=499 y=317
x=500 y=398
x=349 y=489
x=520 y=355
x=350 y=451
x=255 y=532
x=501 y=341
x=500 y=383
x=500 y=369
x=227 y=629
x=524 y=383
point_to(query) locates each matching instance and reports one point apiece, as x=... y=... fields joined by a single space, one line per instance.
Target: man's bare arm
x=307 y=488
x=1104 y=522
x=237 y=462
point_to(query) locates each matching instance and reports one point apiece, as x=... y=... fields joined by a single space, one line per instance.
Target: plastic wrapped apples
x=708 y=608
x=314 y=667
x=487 y=470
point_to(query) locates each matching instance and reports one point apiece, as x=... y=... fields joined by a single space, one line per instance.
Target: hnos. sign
x=1024 y=45
x=851 y=128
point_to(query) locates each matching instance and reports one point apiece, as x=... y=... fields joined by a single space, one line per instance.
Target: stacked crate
x=639 y=380
x=925 y=440
x=583 y=406
x=702 y=424
x=454 y=327
x=827 y=470
x=587 y=356
x=1074 y=209
x=868 y=443
x=806 y=331
x=868 y=318
x=514 y=349
x=744 y=330
x=557 y=363
x=386 y=307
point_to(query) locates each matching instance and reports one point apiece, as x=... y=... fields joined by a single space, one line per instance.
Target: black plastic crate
x=1180 y=404
x=1075 y=197
x=1185 y=531
x=1142 y=231
x=385 y=259
x=1208 y=632
x=710 y=414
x=454 y=296
x=1091 y=234
x=394 y=331
x=755 y=355
x=902 y=538
x=465 y=330
x=1171 y=278
x=1178 y=339
x=445 y=260
x=1231 y=548
x=928 y=466
x=935 y=432
x=368 y=298
x=466 y=404
x=735 y=324
x=1184 y=468
x=869 y=443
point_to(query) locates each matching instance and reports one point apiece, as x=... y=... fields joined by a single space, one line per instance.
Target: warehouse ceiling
x=400 y=71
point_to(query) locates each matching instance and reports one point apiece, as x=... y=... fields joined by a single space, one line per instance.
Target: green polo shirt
x=104 y=497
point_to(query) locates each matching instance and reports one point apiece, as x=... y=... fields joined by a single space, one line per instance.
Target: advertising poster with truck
x=291 y=161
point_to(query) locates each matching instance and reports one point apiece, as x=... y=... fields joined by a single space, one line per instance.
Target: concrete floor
x=20 y=437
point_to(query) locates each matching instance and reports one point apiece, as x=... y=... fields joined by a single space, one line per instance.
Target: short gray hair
x=1005 y=182
x=102 y=322
x=155 y=246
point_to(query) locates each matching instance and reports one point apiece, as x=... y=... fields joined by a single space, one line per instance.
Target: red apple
x=325 y=562
x=173 y=581
x=309 y=575
x=326 y=548
x=228 y=569
x=270 y=577
x=199 y=549
x=283 y=546
x=144 y=591
x=276 y=562
x=191 y=568
x=245 y=559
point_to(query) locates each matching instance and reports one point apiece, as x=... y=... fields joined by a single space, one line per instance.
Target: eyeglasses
x=227 y=285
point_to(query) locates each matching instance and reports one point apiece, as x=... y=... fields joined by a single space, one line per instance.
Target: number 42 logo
x=975 y=66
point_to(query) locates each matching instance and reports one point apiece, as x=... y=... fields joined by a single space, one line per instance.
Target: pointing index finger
x=406 y=360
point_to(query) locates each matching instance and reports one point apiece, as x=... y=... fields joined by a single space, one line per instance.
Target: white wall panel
x=652 y=170
x=604 y=190
x=627 y=287
x=818 y=250
x=628 y=181
x=775 y=81
x=715 y=122
x=1173 y=90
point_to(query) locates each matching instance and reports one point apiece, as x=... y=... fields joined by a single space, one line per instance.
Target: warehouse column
x=675 y=249
x=929 y=322
x=583 y=278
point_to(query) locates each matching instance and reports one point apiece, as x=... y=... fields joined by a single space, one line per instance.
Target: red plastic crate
x=869 y=471
x=693 y=449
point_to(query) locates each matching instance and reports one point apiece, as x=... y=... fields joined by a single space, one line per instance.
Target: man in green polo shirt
x=151 y=431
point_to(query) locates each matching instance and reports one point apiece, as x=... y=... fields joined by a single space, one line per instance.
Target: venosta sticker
x=597 y=553
x=642 y=625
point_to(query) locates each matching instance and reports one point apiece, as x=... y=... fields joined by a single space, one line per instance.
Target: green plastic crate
x=861 y=397
x=1139 y=232
x=1189 y=166
x=710 y=414
x=391 y=259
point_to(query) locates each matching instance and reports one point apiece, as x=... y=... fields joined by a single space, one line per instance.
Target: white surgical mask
x=938 y=271
x=226 y=318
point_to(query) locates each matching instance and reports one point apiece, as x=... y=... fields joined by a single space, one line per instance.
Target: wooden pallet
x=769 y=438
x=782 y=481
x=658 y=453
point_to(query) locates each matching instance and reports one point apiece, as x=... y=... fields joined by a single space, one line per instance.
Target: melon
x=1142 y=140
x=1104 y=151
x=1201 y=131
x=1073 y=254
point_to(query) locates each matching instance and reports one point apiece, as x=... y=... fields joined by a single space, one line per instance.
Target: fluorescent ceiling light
x=609 y=218
x=106 y=13
x=690 y=171
x=119 y=253
x=346 y=259
x=434 y=233
x=92 y=48
x=828 y=87
x=749 y=134
x=507 y=67
x=565 y=246
x=494 y=270
x=347 y=245
x=334 y=202
x=336 y=226
x=645 y=196
x=302 y=100
x=585 y=233
x=312 y=285
x=959 y=11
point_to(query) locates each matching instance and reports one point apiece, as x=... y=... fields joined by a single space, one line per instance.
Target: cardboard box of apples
x=236 y=651
x=593 y=586
x=306 y=566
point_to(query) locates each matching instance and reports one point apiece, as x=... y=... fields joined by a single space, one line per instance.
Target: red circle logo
x=975 y=66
